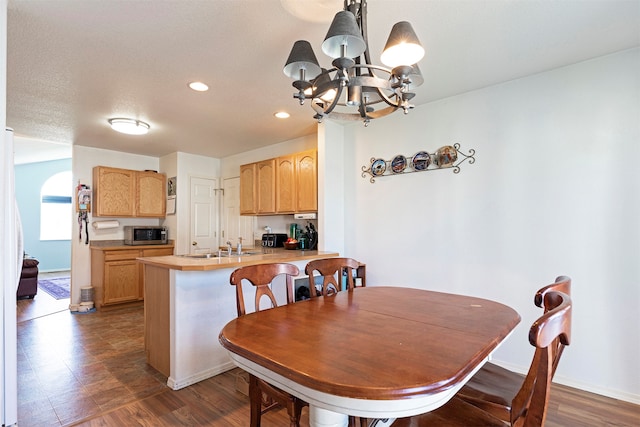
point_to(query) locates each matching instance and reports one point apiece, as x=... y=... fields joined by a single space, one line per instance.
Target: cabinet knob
x=194 y=243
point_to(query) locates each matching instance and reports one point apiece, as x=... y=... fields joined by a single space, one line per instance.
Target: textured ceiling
x=74 y=64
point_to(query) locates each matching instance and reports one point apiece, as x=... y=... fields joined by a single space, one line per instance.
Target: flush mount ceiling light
x=199 y=86
x=351 y=89
x=129 y=126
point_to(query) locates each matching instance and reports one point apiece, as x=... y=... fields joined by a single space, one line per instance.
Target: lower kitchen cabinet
x=117 y=277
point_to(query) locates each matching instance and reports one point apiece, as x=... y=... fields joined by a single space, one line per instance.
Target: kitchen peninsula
x=188 y=300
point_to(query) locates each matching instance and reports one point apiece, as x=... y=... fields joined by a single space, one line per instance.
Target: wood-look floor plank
x=89 y=370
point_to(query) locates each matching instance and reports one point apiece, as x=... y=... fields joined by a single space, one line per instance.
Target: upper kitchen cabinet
x=284 y=185
x=128 y=193
x=113 y=192
x=248 y=205
x=266 y=186
x=150 y=194
x=306 y=181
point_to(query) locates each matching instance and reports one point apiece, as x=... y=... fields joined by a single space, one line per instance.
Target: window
x=56 y=207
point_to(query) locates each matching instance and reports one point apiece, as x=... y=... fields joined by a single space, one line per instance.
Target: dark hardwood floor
x=89 y=370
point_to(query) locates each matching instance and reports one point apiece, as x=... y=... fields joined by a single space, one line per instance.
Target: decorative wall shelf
x=447 y=157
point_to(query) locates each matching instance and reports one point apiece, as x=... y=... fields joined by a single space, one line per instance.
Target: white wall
x=184 y=166
x=84 y=159
x=555 y=190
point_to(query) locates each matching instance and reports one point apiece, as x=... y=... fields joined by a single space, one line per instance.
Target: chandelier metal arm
x=333 y=104
x=377 y=83
x=351 y=116
x=362 y=19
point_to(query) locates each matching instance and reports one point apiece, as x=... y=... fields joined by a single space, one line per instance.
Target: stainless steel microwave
x=145 y=235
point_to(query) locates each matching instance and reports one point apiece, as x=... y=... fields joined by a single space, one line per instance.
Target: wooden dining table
x=376 y=352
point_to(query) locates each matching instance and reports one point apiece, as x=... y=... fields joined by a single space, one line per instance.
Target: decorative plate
x=378 y=167
x=398 y=164
x=421 y=161
x=446 y=156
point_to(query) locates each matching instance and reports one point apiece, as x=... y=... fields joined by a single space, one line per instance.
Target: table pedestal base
x=319 y=417
x=382 y=423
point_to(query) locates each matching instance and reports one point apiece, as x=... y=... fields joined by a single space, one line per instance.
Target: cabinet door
x=121 y=281
x=151 y=198
x=148 y=253
x=266 y=186
x=306 y=181
x=285 y=184
x=248 y=189
x=113 y=192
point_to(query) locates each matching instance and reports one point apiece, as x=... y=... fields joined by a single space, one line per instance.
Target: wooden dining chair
x=529 y=406
x=493 y=387
x=262 y=395
x=332 y=270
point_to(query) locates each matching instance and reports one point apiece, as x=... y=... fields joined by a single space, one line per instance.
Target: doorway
x=204 y=225
x=235 y=226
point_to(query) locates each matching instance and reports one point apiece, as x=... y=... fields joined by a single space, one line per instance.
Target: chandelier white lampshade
x=354 y=89
x=403 y=46
x=129 y=126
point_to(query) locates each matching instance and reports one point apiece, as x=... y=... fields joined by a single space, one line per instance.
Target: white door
x=235 y=226
x=204 y=236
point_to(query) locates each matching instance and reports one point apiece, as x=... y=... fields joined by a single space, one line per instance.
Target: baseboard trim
x=177 y=384
x=569 y=382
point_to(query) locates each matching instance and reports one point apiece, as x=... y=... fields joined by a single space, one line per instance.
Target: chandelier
x=354 y=89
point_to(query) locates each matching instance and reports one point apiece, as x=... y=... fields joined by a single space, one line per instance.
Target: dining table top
x=376 y=342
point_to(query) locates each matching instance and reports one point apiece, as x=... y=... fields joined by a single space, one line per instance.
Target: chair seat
x=530 y=402
x=455 y=413
x=492 y=389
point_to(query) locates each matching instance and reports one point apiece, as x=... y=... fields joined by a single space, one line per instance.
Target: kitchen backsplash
x=280 y=224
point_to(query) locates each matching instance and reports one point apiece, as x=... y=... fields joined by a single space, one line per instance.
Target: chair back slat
x=529 y=406
x=261 y=276
x=562 y=284
x=331 y=270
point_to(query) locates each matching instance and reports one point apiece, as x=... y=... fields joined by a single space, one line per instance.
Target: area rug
x=57 y=287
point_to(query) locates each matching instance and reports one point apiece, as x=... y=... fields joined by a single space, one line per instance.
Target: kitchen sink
x=199 y=255
x=224 y=253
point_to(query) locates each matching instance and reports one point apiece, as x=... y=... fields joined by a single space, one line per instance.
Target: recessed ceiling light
x=199 y=86
x=129 y=126
x=282 y=115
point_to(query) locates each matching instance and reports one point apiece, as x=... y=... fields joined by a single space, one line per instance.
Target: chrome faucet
x=239 y=248
x=229 y=248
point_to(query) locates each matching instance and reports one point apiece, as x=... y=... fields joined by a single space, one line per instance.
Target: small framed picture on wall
x=171 y=187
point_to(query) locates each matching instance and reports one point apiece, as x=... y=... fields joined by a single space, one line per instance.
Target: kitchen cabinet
x=266 y=186
x=306 y=181
x=284 y=185
x=116 y=275
x=151 y=200
x=113 y=192
x=128 y=193
x=248 y=204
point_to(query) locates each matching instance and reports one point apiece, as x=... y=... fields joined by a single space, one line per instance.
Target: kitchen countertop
x=110 y=245
x=184 y=263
